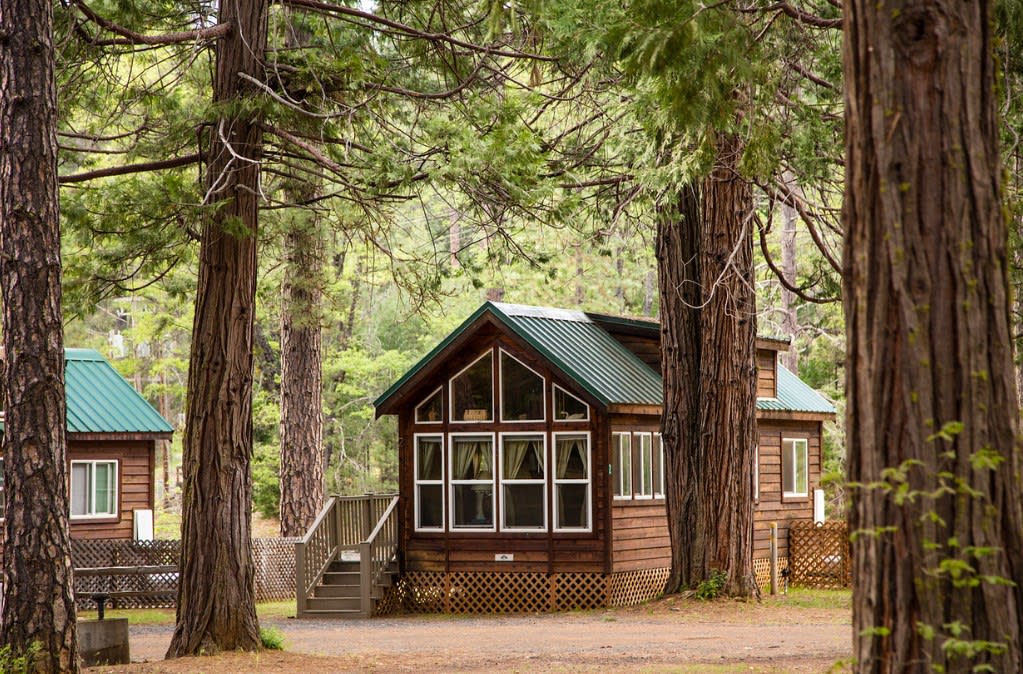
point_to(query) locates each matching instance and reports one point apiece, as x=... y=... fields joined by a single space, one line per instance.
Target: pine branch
x=130 y=37
x=129 y=168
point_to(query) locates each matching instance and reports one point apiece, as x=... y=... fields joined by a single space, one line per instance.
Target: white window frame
x=451 y=392
x=92 y=463
x=588 y=481
x=554 y=412
x=660 y=451
x=3 y=492
x=805 y=444
x=418 y=482
x=645 y=465
x=756 y=473
x=505 y=480
x=543 y=390
x=452 y=482
x=439 y=389
x=623 y=495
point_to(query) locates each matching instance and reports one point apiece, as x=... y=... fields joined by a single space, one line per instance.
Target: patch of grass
x=272 y=610
x=276 y=610
x=272 y=638
x=802 y=597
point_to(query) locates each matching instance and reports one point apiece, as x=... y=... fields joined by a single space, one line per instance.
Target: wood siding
x=640 y=535
x=767 y=373
x=772 y=506
x=135 y=489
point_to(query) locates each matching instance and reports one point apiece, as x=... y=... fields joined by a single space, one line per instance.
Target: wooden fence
x=144 y=574
x=819 y=555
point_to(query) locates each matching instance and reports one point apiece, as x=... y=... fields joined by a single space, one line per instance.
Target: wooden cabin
x=112 y=433
x=531 y=470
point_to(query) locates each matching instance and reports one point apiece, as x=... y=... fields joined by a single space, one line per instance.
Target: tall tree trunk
x=216 y=603
x=938 y=567
x=790 y=319
x=301 y=376
x=708 y=337
x=38 y=602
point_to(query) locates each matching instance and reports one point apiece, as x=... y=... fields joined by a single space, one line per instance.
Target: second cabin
x=531 y=465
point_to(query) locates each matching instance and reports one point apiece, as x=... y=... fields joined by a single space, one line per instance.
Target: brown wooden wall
x=772 y=506
x=767 y=373
x=135 y=488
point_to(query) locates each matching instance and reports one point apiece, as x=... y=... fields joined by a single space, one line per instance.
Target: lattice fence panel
x=121 y=552
x=471 y=592
x=423 y=591
x=633 y=587
x=581 y=591
x=275 y=568
x=819 y=555
x=762 y=569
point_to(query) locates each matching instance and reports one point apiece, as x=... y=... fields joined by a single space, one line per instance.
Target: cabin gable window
x=794 y=468
x=472 y=481
x=429 y=471
x=523 y=482
x=572 y=481
x=472 y=391
x=431 y=410
x=569 y=408
x=93 y=489
x=522 y=391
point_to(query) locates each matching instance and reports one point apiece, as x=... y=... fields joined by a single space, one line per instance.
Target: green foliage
x=712 y=587
x=12 y=662
x=271 y=638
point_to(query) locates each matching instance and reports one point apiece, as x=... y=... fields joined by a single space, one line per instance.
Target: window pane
x=567 y=407
x=521 y=391
x=79 y=489
x=474 y=505
x=787 y=479
x=658 y=465
x=572 y=510
x=794 y=468
x=429 y=458
x=473 y=392
x=104 y=503
x=431 y=506
x=622 y=464
x=800 y=450
x=431 y=410
x=646 y=463
x=523 y=458
x=523 y=506
x=472 y=459
x=571 y=458
x=3 y=493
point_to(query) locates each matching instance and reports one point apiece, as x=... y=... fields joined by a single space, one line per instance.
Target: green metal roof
x=795 y=395
x=99 y=400
x=586 y=353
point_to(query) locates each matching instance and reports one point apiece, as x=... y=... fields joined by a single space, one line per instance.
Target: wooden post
x=365 y=579
x=774 y=558
x=299 y=579
x=367 y=518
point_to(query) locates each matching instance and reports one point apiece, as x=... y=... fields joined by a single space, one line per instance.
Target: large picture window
x=522 y=389
x=93 y=489
x=794 y=468
x=621 y=464
x=472 y=482
x=572 y=481
x=523 y=504
x=472 y=391
x=429 y=482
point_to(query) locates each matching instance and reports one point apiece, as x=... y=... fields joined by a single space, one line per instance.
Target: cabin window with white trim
x=658 y=466
x=472 y=481
x=431 y=410
x=3 y=491
x=621 y=465
x=472 y=391
x=93 y=489
x=522 y=391
x=523 y=478
x=756 y=473
x=572 y=481
x=794 y=467
x=429 y=483
x=569 y=408
x=645 y=454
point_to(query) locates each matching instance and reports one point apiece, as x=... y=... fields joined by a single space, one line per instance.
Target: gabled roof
x=580 y=345
x=99 y=400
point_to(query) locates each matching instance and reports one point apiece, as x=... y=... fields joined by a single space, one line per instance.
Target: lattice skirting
x=762 y=569
x=485 y=592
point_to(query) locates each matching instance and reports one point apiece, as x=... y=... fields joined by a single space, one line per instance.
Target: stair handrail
x=376 y=553
x=315 y=551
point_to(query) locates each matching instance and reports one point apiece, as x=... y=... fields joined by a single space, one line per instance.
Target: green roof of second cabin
x=100 y=400
x=578 y=344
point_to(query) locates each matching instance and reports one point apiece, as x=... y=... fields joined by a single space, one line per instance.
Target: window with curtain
x=431 y=410
x=794 y=468
x=522 y=482
x=472 y=482
x=93 y=488
x=521 y=391
x=572 y=481
x=569 y=408
x=472 y=391
x=621 y=464
x=429 y=482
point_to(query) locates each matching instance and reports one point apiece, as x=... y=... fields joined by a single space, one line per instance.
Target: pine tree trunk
x=301 y=377
x=216 y=603
x=708 y=338
x=931 y=394
x=38 y=603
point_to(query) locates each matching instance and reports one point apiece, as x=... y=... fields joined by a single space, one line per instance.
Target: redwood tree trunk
x=708 y=338
x=38 y=603
x=216 y=603
x=938 y=567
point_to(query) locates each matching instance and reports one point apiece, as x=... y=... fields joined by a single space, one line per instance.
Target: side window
x=658 y=466
x=572 y=481
x=794 y=468
x=429 y=482
x=3 y=492
x=621 y=464
x=645 y=458
x=93 y=488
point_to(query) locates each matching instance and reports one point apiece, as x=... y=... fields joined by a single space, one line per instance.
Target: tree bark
x=932 y=427
x=708 y=337
x=790 y=319
x=38 y=605
x=216 y=603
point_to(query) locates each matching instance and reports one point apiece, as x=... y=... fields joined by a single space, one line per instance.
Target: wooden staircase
x=348 y=558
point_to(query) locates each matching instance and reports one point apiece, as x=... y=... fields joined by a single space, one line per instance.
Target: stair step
x=317 y=613
x=340 y=578
x=340 y=566
x=336 y=591
x=333 y=604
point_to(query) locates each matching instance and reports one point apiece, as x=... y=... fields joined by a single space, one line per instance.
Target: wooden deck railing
x=346 y=523
x=377 y=552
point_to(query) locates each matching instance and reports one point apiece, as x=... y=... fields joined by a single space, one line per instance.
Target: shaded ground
x=672 y=635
